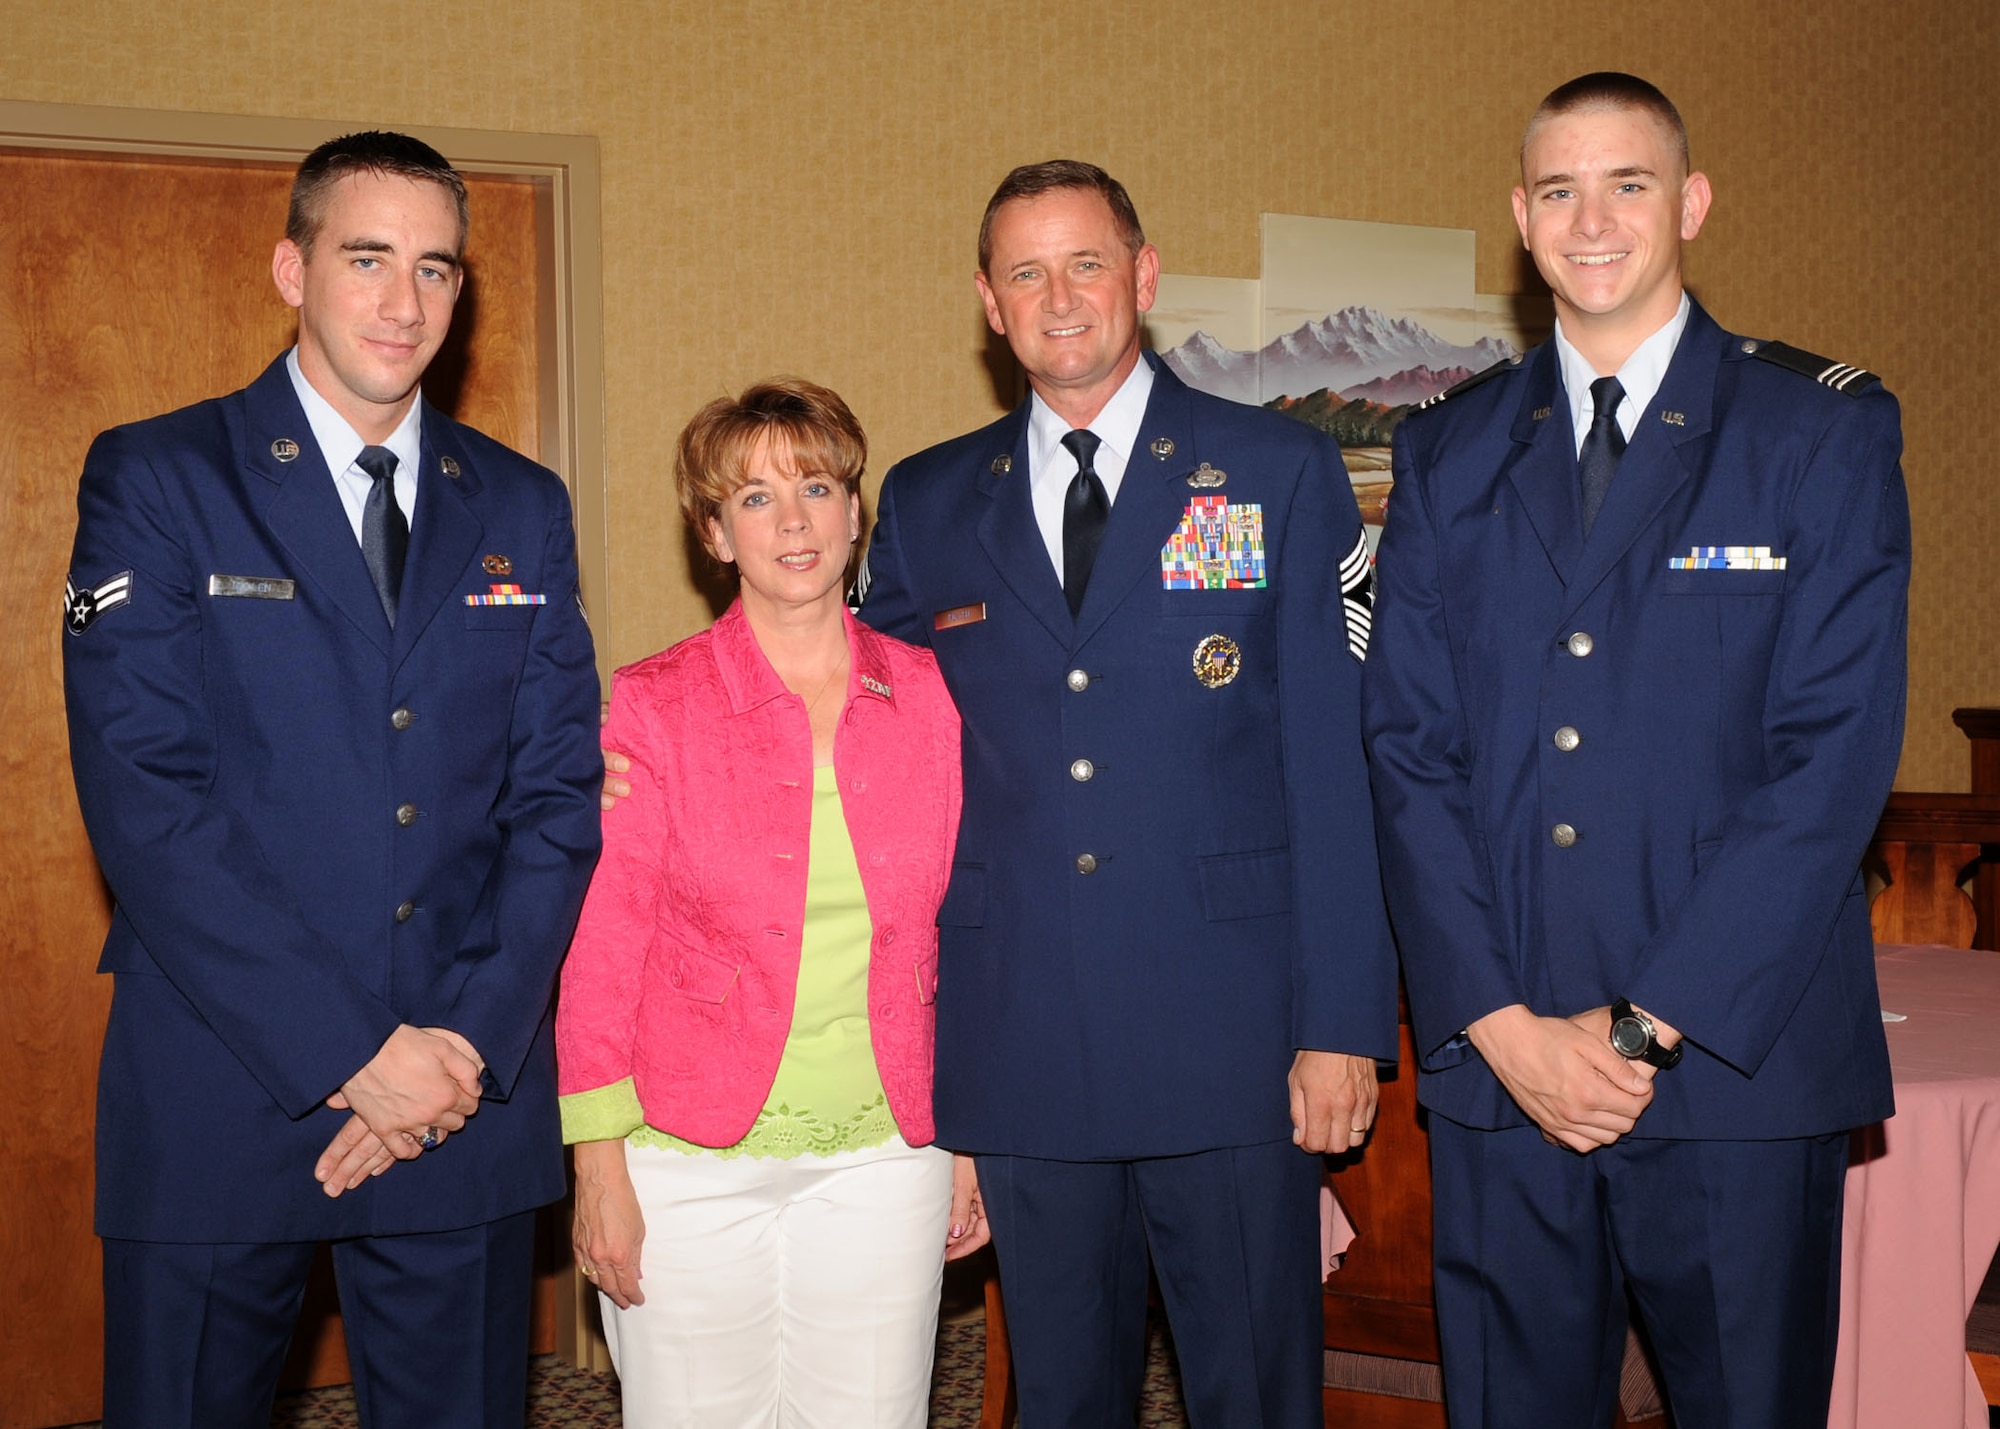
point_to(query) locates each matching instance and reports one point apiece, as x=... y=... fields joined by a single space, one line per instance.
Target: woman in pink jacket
x=746 y=1021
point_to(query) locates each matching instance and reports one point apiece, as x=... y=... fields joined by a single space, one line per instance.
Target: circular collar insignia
x=1002 y=465
x=1163 y=447
x=449 y=466
x=1217 y=661
x=285 y=449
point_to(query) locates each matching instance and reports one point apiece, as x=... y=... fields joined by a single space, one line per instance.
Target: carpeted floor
x=563 y=1398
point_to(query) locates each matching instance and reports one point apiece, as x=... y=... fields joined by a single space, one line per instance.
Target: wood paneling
x=129 y=287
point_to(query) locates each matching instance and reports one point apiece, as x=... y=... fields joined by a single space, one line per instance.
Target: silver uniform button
x=1564 y=835
x=406 y=814
x=404 y=910
x=1567 y=739
x=1086 y=863
x=401 y=718
x=1082 y=770
x=1580 y=644
x=1078 y=680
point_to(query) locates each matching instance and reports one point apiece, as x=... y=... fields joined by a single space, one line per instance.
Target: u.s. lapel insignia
x=1206 y=475
x=1673 y=419
x=1541 y=414
x=1001 y=465
x=1163 y=447
x=82 y=607
x=1217 y=661
x=285 y=449
x=449 y=466
x=497 y=566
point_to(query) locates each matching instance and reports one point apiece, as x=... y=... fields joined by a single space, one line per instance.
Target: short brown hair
x=1610 y=89
x=815 y=428
x=375 y=152
x=1033 y=180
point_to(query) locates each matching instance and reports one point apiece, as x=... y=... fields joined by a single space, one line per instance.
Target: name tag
x=959 y=615
x=252 y=587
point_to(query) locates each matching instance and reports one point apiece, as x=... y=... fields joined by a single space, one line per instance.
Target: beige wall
x=796 y=188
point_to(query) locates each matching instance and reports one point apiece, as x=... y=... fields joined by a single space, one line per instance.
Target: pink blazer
x=686 y=961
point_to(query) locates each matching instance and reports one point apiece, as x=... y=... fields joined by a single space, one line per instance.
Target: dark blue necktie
x=1597 y=463
x=385 y=535
x=1085 y=510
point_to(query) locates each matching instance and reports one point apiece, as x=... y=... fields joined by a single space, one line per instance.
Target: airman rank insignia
x=497 y=566
x=1217 y=661
x=285 y=449
x=449 y=466
x=1206 y=475
x=1163 y=447
x=1357 y=596
x=506 y=595
x=1216 y=547
x=82 y=607
x=1840 y=376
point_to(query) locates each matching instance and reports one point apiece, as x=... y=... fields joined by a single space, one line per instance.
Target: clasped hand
x=423 y=1081
x=1564 y=1074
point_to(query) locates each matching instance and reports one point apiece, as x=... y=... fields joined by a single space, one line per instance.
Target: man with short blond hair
x=1634 y=706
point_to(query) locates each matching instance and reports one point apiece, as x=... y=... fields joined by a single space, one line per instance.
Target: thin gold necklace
x=813 y=703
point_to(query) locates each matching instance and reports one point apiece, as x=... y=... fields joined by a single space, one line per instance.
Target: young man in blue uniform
x=332 y=712
x=1634 y=705
x=1165 y=971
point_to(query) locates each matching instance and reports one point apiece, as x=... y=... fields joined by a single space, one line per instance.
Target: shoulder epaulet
x=1840 y=376
x=1505 y=365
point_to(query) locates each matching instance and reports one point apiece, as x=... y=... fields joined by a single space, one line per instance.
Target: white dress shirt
x=1641 y=376
x=340 y=444
x=1051 y=468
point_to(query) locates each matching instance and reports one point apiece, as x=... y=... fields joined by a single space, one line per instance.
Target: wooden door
x=128 y=287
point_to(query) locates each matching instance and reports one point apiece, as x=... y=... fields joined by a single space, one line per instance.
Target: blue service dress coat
x=315 y=827
x=1622 y=766
x=1162 y=887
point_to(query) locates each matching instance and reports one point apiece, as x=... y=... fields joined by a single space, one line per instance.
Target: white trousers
x=799 y=1293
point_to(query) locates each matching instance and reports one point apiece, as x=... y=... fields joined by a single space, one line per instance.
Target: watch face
x=1628 y=1037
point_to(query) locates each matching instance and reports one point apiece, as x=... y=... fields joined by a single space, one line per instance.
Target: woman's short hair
x=806 y=423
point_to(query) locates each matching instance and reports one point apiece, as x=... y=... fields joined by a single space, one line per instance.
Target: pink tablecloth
x=1923 y=1200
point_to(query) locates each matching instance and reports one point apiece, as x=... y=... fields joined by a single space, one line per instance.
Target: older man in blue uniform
x=1635 y=703
x=1165 y=972
x=332 y=711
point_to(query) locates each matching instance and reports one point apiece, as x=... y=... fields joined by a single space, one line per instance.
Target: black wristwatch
x=1634 y=1038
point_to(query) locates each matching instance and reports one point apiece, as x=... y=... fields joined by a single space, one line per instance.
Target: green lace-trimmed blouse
x=827 y=1096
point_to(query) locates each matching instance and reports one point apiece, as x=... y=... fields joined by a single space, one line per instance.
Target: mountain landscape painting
x=1354 y=324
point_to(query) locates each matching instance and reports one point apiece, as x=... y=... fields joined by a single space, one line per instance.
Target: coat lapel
x=445 y=536
x=1543 y=472
x=1008 y=531
x=305 y=513
x=1151 y=499
x=1659 y=459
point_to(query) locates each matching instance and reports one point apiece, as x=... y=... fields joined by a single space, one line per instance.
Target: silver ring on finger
x=430 y=1140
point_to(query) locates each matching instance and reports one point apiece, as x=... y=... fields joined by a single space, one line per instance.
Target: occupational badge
x=497 y=566
x=82 y=607
x=1217 y=661
x=1216 y=547
x=1206 y=476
